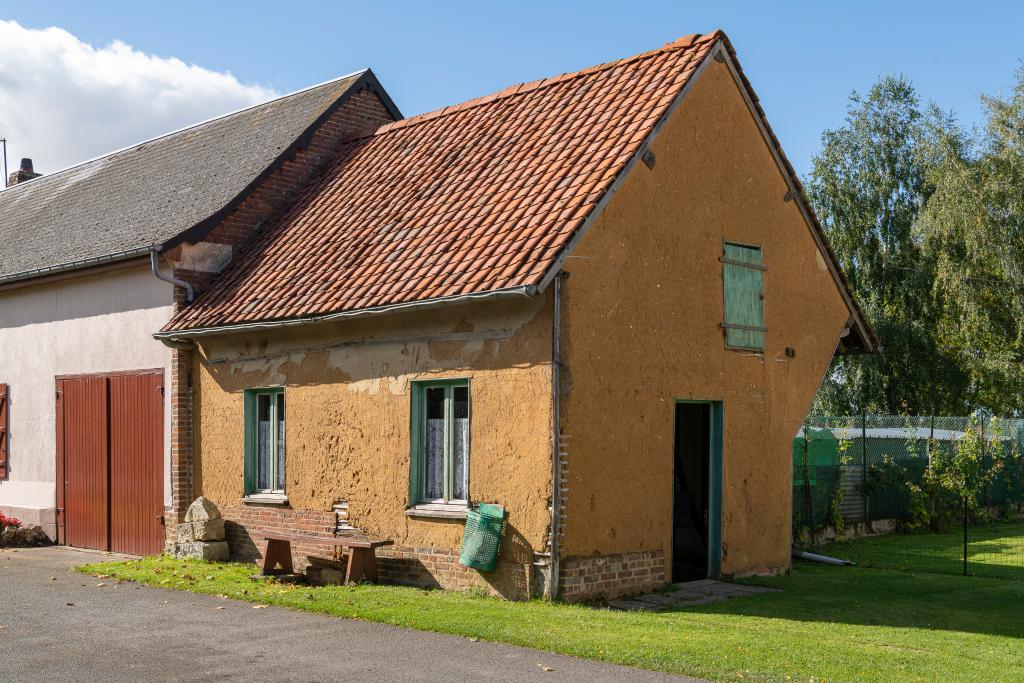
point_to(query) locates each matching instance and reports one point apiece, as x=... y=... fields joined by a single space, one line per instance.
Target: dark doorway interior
x=690 y=506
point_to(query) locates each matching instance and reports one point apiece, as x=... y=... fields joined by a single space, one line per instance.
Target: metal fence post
x=984 y=461
x=965 y=534
x=808 y=504
x=864 y=467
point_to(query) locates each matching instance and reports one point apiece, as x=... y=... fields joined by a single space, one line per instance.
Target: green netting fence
x=951 y=487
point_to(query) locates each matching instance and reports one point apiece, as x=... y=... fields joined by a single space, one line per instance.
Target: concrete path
x=56 y=625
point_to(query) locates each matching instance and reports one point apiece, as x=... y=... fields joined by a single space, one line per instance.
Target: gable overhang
x=857 y=335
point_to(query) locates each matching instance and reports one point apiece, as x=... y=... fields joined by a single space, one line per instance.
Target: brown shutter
x=3 y=431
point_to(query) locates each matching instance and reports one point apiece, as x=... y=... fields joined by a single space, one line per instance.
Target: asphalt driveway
x=57 y=625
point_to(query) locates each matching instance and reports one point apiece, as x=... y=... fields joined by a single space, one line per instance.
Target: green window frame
x=264 y=445
x=440 y=448
x=743 y=278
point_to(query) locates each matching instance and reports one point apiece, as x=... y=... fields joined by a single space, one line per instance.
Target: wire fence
x=949 y=489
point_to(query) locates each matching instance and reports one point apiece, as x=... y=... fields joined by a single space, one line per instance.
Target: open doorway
x=696 y=491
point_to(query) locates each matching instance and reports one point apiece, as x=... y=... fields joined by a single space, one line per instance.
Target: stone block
x=201 y=530
x=213 y=551
x=201 y=510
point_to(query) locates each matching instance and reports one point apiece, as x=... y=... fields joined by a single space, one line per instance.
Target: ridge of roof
x=184 y=129
x=682 y=43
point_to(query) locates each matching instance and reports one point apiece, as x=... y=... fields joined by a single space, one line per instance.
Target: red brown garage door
x=110 y=460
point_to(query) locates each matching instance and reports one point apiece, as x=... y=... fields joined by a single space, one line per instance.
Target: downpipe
x=553 y=585
x=154 y=262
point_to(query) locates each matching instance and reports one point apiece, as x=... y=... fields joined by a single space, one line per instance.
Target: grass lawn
x=996 y=550
x=834 y=624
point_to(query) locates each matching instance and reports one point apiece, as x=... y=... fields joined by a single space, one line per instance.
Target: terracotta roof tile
x=475 y=197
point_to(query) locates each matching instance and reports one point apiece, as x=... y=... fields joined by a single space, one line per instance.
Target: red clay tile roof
x=476 y=198
x=473 y=198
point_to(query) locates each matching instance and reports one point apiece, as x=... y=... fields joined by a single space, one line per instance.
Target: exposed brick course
x=605 y=577
x=404 y=565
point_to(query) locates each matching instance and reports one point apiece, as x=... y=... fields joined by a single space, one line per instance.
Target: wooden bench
x=362 y=554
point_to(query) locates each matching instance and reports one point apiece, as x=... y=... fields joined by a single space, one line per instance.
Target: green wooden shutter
x=415 y=444
x=744 y=297
x=249 y=468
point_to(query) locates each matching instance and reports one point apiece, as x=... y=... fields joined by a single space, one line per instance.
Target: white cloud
x=63 y=101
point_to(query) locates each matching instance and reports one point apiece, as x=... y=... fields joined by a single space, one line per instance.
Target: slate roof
x=480 y=198
x=118 y=205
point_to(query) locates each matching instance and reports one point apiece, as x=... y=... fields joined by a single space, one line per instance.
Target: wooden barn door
x=83 y=412
x=110 y=460
x=136 y=464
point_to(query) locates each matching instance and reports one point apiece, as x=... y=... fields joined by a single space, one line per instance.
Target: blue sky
x=803 y=58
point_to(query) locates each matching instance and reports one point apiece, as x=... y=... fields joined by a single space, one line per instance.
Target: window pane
x=280 y=442
x=262 y=442
x=460 y=447
x=433 y=455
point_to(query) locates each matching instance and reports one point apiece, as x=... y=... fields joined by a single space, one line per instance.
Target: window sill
x=438 y=511
x=265 y=499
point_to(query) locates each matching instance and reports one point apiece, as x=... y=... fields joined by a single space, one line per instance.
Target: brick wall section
x=403 y=565
x=362 y=113
x=243 y=524
x=611 y=576
x=440 y=568
x=180 y=393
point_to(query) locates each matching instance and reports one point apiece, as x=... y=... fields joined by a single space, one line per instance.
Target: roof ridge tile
x=683 y=43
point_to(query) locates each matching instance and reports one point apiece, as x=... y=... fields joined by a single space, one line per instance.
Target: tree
x=868 y=186
x=972 y=229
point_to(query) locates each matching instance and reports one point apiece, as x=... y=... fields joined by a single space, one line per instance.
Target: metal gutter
x=527 y=291
x=75 y=265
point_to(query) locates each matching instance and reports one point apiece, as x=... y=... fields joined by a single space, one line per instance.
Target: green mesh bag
x=482 y=537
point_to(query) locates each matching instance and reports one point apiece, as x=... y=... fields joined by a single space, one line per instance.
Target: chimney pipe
x=24 y=173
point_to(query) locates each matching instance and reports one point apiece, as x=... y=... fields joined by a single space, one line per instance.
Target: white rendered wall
x=96 y=324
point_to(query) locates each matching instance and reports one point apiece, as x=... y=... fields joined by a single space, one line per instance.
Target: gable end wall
x=642 y=309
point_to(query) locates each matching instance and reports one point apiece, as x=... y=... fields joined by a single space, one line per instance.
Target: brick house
x=95 y=436
x=600 y=300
